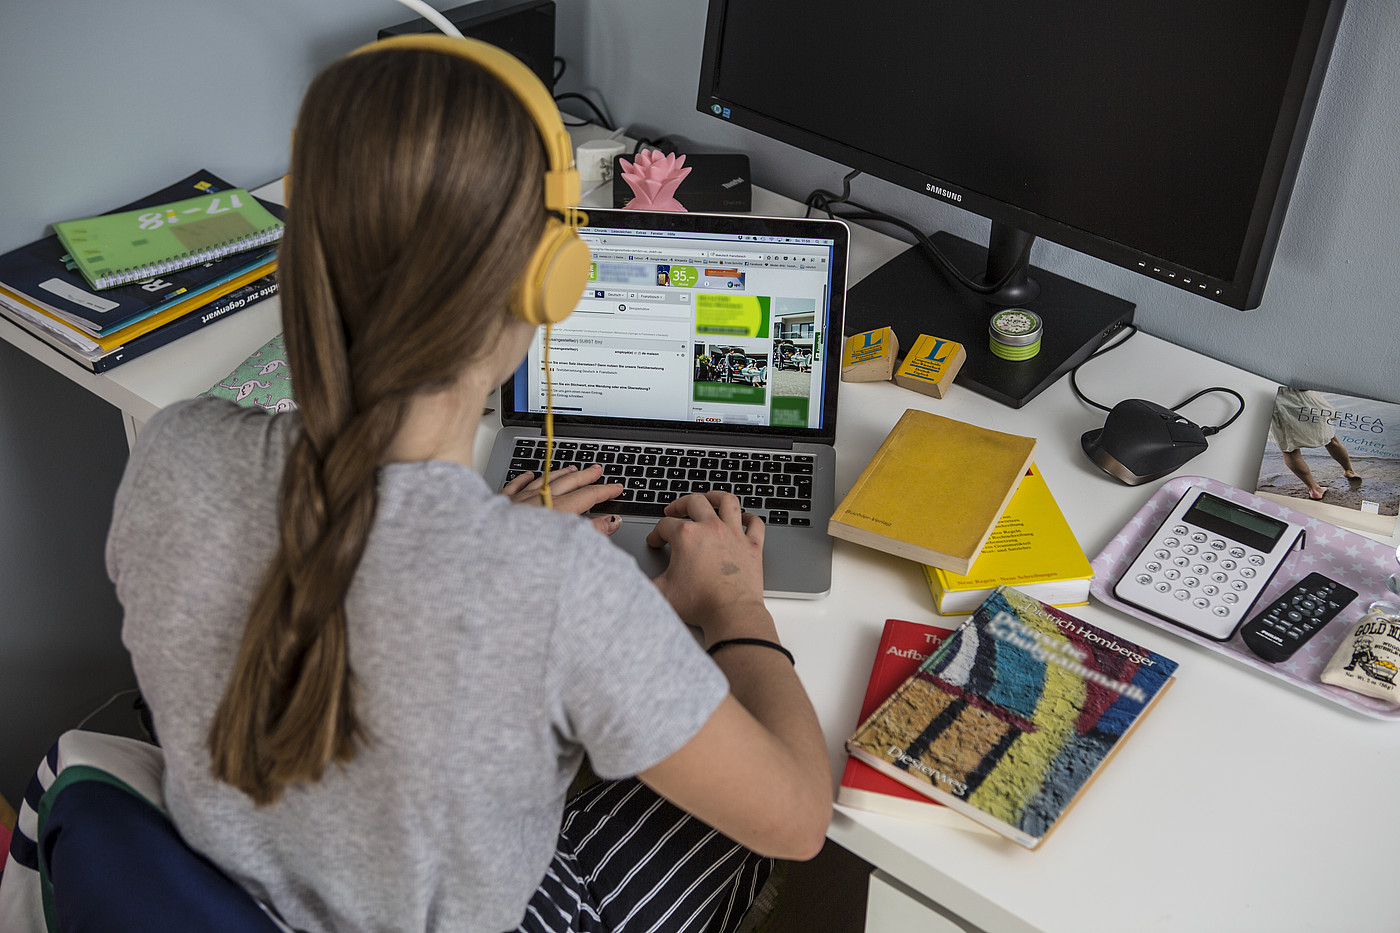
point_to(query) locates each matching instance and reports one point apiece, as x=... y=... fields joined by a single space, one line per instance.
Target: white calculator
x=1208 y=563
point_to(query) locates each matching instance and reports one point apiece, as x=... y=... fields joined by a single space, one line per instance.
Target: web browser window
x=680 y=326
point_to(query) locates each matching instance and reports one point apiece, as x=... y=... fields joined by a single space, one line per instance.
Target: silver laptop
x=704 y=354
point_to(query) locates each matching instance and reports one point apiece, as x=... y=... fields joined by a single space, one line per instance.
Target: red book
x=903 y=647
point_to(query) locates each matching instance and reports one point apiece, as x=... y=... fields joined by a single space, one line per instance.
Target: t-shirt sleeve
x=629 y=682
x=149 y=447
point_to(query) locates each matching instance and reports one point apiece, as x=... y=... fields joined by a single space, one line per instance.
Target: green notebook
x=115 y=249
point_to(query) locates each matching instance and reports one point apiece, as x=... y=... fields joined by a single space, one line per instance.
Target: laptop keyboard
x=778 y=483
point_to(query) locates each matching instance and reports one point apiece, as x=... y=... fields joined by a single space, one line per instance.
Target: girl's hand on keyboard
x=572 y=490
x=715 y=575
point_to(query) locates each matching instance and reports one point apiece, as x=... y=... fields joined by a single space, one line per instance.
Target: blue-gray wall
x=101 y=102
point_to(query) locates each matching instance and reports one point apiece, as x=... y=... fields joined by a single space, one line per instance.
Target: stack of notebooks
x=105 y=290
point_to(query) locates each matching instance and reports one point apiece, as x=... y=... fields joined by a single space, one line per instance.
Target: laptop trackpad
x=632 y=538
x=797 y=574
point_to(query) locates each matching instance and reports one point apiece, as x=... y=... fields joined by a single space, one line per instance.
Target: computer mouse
x=1141 y=441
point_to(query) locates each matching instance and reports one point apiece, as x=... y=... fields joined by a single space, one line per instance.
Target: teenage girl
x=374 y=678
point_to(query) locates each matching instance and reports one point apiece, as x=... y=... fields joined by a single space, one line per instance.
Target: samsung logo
x=942 y=192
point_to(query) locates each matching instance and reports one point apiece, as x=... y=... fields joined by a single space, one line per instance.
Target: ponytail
x=289 y=707
x=392 y=282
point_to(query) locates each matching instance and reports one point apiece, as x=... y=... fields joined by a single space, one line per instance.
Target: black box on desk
x=717 y=183
x=524 y=28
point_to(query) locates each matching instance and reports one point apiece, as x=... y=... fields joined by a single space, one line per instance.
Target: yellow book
x=934 y=490
x=1031 y=548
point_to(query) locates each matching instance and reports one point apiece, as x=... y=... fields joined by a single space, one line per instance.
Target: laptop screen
x=709 y=322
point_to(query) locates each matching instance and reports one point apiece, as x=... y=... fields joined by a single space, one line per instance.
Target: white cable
x=110 y=700
x=433 y=16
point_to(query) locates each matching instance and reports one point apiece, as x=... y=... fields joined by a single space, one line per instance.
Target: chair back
x=111 y=861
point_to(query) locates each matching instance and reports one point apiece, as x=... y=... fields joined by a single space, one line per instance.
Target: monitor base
x=912 y=295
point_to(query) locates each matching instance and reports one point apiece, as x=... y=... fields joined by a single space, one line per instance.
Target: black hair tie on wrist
x=761 y=642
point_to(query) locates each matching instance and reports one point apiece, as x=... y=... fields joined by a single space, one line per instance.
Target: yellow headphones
x=559 y=268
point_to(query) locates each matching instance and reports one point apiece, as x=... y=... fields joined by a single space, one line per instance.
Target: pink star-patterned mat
x=1351 y=559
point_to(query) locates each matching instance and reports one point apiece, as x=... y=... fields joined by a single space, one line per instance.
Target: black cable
x=665 y=144
x=1133 y=329
x=820 y=196
x=559 y=67
x=823 y=200
x=1208 y=431
x=1074 y=383
x=603 y=118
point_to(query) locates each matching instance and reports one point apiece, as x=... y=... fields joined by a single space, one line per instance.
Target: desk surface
x=1240 y=804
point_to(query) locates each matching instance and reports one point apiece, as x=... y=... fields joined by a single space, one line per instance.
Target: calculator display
x=1236 y=522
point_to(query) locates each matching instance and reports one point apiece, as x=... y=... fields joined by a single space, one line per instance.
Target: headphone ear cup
x=554 y=279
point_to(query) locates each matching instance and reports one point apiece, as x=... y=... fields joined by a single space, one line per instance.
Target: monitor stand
x=914 y=296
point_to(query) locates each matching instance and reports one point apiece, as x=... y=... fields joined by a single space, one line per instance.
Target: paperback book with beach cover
x=1014 y=715
x=1335 y=457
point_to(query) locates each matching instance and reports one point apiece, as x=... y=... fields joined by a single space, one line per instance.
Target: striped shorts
x=629 y=861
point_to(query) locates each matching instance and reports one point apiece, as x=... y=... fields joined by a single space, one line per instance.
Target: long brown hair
x=416 y=201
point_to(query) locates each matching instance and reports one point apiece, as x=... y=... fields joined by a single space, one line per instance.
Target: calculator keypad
x=1195 y=568
x=1199 y=578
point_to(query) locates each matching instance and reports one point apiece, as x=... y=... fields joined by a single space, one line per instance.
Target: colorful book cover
x=1014 y=715
x=904 y=645
x=1032 y=548
x=1335 y=457
x=39 y=273
x=901 y=504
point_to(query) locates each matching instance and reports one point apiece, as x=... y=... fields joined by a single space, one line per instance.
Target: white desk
x=1240 y=804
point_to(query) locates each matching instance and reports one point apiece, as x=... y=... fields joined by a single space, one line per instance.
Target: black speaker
x=524 y=28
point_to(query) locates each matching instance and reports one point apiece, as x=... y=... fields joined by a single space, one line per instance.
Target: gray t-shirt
x=492 y=644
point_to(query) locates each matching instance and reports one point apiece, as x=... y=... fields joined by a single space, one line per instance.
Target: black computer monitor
x=1163 y=137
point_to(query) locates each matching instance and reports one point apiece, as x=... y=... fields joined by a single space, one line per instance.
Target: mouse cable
x=1208 y=431
x=1132 y=329
x=1074 y=383
x=824 y=201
